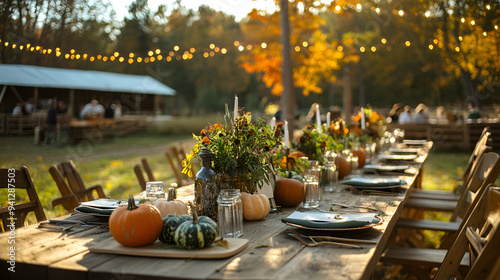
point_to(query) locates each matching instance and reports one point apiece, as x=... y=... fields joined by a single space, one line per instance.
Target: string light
x=263 y=45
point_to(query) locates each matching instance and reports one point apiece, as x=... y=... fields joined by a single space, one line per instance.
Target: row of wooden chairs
x=175 y=155
x=483 y=169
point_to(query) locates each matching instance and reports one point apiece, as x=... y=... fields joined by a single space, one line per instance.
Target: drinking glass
x=331 y=177
x=312 y=190
x=230 y=213
x=154 y=190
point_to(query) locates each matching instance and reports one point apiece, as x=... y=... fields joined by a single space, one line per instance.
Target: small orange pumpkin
x=361 y=154
x=135 y=225
x=255 y=206
x=170 y=205
x=288 y=192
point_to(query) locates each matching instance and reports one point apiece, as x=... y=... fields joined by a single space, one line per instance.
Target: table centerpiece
x=240 y=150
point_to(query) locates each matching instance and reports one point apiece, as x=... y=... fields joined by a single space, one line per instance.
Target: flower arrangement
x=241 y=148
x=373 y=125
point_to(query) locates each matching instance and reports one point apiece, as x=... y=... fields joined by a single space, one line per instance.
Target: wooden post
x=137 y=103
x=287 y=96
x=35 y=97
x=157 y=104
x=347 y=94
x=71 y=106
x=3 y=93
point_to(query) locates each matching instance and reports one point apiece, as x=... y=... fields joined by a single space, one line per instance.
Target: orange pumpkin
x=361 y=154
x=288 y=192
x=135 y=225
x=255 y=206
x=171 y=206
x=343 y=166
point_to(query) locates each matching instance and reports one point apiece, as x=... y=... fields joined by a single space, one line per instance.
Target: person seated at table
x=92 y=110
x=474 y=113
x=405 y=117
x=420 y=114
x=396 y=110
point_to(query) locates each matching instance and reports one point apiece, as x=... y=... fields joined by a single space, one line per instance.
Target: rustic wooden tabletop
x=271 y=253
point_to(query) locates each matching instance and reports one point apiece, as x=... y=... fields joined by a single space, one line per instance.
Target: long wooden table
x=271 y=253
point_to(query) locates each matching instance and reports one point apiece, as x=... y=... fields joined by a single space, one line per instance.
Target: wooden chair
x=175 y=158
x=486 y=173
x=479 y=234
x=426 y=204
x=480 y=148
x=140 y=175
x=71 y=186
x=11 y=178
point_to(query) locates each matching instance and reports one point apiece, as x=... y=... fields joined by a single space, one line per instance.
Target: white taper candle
x=287 y=143
x=235 y=107
x=318 y=120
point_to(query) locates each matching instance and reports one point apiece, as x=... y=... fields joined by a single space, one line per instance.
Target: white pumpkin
x=255 y=206
x=170 y=205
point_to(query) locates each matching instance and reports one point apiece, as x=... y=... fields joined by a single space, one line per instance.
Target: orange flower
x=216 y=126
x=203 y=133
x=346 y=131
x=205 y=140
x=280 y=124
x=357 y=118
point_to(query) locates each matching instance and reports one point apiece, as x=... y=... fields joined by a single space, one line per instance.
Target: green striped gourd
x=196 y=234
x=170 y=223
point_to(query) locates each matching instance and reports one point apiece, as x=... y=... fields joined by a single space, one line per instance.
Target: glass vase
x=206 y=188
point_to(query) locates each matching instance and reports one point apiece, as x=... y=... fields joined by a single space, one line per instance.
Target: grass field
x=108 y=164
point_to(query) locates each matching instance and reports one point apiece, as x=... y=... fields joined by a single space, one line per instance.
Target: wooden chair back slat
x=22 y=180
x=481 y=145
x=147 y=168
x=480 y=236
x=140 y=176
x=59 y=179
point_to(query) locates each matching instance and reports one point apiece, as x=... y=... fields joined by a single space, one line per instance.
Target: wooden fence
x=454 y=135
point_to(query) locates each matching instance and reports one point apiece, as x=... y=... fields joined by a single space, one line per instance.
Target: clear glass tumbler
x=313 y=192
x=331 y=177
x=230 y=213
x=154 y=190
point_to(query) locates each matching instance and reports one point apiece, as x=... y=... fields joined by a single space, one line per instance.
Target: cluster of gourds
x=142 y=224
x=169 y=220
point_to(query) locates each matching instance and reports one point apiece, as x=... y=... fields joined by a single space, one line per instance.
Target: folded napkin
x=414 y=142
x=374 y=182
x=404 y=151
x=93 y=210
x=397 y=157
x=318 y=219
x=387 y=167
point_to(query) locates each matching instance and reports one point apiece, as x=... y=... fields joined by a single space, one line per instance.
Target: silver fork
x=354 y=206
x=315 y=244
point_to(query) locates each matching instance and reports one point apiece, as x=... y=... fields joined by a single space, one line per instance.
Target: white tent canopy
x=45 y=77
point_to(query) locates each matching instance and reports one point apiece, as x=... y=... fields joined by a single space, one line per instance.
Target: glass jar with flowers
x=241 y=151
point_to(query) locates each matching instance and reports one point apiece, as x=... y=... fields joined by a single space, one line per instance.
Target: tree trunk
x=347 y=94
x=288 y=94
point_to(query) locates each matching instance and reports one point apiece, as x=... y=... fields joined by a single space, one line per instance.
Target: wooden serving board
x=161 y=250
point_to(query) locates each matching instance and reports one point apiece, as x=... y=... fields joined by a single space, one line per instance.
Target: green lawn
x=108 y=164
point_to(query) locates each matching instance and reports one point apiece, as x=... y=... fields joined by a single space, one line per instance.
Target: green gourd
x=170 y=224
x=196 y=234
